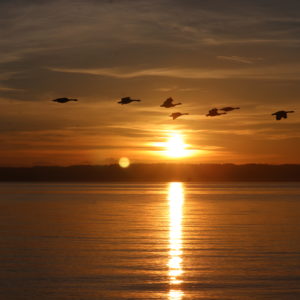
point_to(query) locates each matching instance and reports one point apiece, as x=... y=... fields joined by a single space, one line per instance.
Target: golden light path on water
x=176 y=200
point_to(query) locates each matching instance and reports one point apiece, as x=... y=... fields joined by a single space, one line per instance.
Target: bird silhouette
x=176 y=115
x=281 y=114
x=127 y=100
x=229 y=108
x=63 y=100
x=169 y=103
x=214 y=112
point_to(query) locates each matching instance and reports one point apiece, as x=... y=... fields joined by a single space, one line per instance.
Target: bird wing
x=168 y=101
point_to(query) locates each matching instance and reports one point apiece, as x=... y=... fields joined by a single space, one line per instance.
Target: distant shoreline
x=154 y=173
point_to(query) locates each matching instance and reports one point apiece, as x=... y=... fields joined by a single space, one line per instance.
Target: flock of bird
x=168 y=103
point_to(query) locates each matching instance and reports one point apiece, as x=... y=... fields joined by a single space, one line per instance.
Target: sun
x=175 y=146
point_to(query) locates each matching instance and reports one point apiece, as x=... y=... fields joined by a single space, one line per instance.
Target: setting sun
x=175 y=146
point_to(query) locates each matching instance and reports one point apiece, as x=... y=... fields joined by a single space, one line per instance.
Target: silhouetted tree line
x=153 y=172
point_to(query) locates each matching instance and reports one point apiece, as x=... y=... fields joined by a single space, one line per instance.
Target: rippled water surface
x=150 y=241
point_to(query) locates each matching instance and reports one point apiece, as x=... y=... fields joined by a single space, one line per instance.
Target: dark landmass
x=153 y=173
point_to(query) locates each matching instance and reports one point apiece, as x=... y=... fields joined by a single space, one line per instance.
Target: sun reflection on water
x=176 y=200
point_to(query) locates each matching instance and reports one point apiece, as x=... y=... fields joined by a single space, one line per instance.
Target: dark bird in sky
x=176 y=115
x=214 y=112
x=229 y=108
x=64 y=100
x=169 y=103
x=127 y=100
x=281 y=114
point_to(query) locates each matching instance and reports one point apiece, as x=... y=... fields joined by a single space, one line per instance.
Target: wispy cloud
x=279 y=72
x=93 y=23
x=7 y=89
x=6 y=75
x=176 y=88
x=240 y=59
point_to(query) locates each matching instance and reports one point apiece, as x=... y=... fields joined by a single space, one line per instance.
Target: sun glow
x=175 y=146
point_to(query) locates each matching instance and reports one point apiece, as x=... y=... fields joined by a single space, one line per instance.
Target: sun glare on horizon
x=175 y=146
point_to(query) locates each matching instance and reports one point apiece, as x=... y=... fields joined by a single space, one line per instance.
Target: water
x=150 y=241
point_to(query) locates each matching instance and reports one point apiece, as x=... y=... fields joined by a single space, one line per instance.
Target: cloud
x=240 y=59
x=9 y=57
x=43 y=26
x=7 y=89
x=6 y=75
x=279 y=72
x=219 y=41
x=176 y=88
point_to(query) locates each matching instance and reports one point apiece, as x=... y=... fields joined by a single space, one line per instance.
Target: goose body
x=127 y=100
x=214 y=112
x=63 y=100
x=176 y=115
x=228 y=108
x=169 y=103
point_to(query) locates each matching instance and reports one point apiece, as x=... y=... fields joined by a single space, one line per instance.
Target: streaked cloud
x=278 y=72
x=240 y=59
x=7 y=89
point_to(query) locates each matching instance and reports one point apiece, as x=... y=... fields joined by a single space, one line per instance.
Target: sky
x=204 y=54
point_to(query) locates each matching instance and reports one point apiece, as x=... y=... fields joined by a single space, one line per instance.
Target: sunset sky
x=204 y=54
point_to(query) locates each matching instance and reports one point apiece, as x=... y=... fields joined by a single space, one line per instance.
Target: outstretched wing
x=226 y=108
x=168 y=101
x=213 y=111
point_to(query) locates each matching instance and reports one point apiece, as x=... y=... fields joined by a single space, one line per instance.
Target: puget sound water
x=170 y=241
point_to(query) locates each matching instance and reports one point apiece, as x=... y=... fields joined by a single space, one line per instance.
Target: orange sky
x=203 y=54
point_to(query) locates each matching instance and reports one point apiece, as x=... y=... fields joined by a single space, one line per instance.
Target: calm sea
x=150 y=241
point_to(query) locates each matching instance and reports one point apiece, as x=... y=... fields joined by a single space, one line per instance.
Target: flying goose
x=63 y=100
x=229 y=108
x=127 y=100
x=214 y=112
x=282 y=114
x=176 y=115
x=169 y=103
